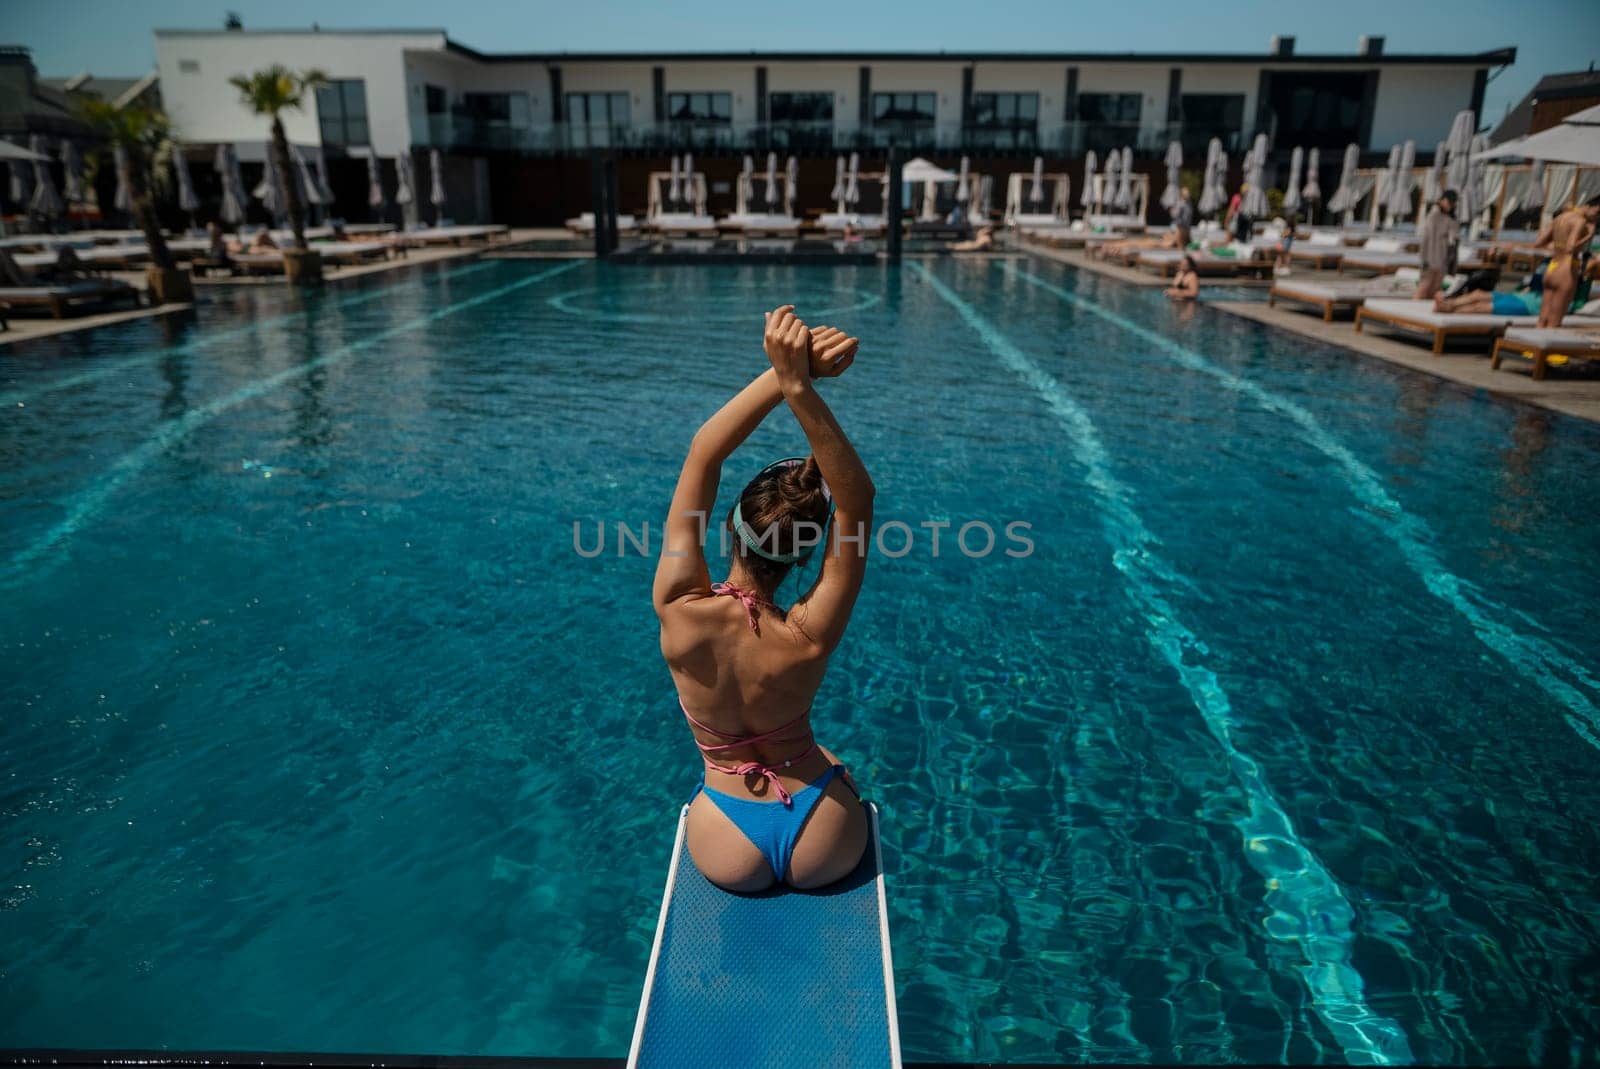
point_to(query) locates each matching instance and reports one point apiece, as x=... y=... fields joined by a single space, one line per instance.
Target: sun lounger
x=1339 y=295
x=1470 y=258
x=1165 y=262
x=1547 y=346
x=760 y=223
x=866 y=224
x=454 y=235
x=368 y=229
x=684 y=223
x=343 y=252
x=584 y=223
x=1419 y=317
x=60 y=299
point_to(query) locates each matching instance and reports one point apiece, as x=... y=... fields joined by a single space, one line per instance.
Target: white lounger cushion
x=1585 y=340
x=1383 y=245
x=1422 y=313
x=1322 y=238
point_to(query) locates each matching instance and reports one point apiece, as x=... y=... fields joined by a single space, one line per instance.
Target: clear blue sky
x=112 y=37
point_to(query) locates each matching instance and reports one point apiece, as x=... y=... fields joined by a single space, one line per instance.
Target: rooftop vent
x=1371 y=46
x=1282 y=46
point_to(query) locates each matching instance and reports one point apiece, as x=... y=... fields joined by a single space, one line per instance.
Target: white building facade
x=393 y=91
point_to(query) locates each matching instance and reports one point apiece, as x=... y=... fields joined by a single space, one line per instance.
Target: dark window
x=1208 y=115
x=437 y=103
x=1109 y=107
x=1316 y=108
x=1110 y=120
x=912 y=109
x=700 y=107
x=342 y=112
x=597 y=109
x=800 y=107
x=1005 y=110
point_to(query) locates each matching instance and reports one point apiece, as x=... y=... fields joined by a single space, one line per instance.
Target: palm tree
x=272 y=91
x=141 y=132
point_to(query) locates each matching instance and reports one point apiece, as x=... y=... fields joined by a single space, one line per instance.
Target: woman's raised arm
x=824 y=612
x=681 y=570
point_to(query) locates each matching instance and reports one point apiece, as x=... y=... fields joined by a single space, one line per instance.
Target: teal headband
x=747 y=534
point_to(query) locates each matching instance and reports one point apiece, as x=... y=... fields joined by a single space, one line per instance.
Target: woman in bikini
x=773 y=806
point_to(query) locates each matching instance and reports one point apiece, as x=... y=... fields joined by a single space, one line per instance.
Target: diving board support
x=777 y=979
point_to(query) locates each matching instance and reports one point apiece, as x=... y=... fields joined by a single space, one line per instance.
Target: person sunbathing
x=67 y=268
x=260 y=241
x=772 y=806
x=1186 y=283
x=1523 y=301
x=984 y=239
x=1172 y=239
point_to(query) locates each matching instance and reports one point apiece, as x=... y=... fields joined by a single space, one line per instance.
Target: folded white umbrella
x=187 y=200
x=122 y=199
x=747 y=185
x=1108 y=181
x=1254 y=203
x=688 y=181
x=1312 y=193
x=1345 y=195
x=1458 y=169
x=772 y=180
x=1401 y=184
x=837 y=193
x=322 y=176
x=22 y=177
x=1210 y=195
x=405 y=179
x=46 y=200
x=791 y=181
x=961 y=182
x=852 y=187
x=1385 y=182
x=72 y=187
x=1086 y=195
x=377 y=200
x=1432 y=182
x=1125 y=190
x=1036 y=187
x=1174 y=161
x=1291 y=192
x=985 y=197
x=226 y=167
x=436 y=182
x=1477 y=194
x=673 y=193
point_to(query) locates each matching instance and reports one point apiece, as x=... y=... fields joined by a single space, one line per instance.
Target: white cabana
x=1576 y=139
x=1051 y=208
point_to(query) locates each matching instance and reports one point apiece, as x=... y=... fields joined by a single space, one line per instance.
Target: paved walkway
x=29 y=327
x=1574 y=392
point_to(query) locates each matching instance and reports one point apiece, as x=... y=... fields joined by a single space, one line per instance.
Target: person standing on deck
x=1570 y=235
x=1438 y=241
x=1183 y=217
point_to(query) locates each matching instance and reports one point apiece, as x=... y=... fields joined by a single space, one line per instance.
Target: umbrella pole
x=1500 y=207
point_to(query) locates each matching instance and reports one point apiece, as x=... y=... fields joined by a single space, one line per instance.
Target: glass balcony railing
x=1069 y=139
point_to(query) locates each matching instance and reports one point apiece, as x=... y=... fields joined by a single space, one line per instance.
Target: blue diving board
x=780 y=979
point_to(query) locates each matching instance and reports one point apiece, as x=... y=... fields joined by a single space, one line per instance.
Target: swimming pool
x=321 y=733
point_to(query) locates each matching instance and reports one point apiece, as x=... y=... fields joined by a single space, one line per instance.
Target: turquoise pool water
x=318 y=734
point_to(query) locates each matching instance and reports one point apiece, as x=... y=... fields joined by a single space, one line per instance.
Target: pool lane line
x=1536 y=659
x=151 y=356
x=89 y=501
x=1310 y=910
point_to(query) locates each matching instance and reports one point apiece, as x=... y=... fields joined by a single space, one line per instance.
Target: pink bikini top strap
x=749 y=768
x=752 y=603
